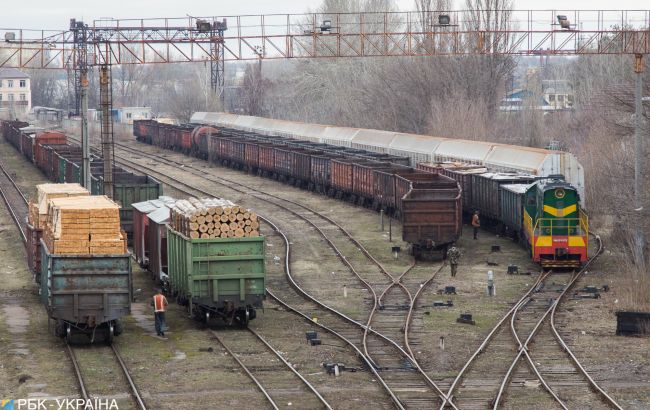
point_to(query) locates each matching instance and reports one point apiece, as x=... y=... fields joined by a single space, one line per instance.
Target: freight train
x=305 y=155
x=428 y=204
x=82 y=293
x=61 y=162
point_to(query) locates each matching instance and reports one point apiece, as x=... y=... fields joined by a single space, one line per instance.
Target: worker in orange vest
x=476 y=223
x=159 y=304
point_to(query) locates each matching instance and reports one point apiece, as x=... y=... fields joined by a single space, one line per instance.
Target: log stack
x=84 y=225
x=44 y=193
x=213 y=218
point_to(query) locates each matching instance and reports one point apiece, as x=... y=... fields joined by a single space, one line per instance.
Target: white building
x=15 y=92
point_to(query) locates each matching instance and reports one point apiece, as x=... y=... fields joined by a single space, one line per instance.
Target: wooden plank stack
x=44 y=192
x=84 y=225
x=213 y=218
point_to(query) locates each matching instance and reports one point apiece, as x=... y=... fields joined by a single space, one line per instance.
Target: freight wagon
x=432 y=216
x=223 y=277
x=363 y=177
x=86 y=294
x=61 y=162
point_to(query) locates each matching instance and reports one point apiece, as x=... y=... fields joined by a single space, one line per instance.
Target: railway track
x=401 y=361
x=11 y=194
x=496 y=367
x=131 y=386
x=257 y=358
x=17 y=205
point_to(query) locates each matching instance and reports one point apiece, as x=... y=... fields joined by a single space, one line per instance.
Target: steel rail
x=77 y=371
x=523 y=351
x=300 y=376
x=4 y=170
x=484 y=344
x=10 y=208
x=71 y=354
x=409 y=315
x=134 y=389
x=551 y=311
x=247 y=371
x=531 y=363
x=395 y=282
x=292 y=282
x=428 y=380
x=609 y=399
x=350 y=343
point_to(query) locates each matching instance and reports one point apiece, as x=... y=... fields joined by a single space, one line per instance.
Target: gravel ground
x=179 y=370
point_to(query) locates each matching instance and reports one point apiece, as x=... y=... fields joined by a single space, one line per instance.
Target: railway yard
x=383 y=341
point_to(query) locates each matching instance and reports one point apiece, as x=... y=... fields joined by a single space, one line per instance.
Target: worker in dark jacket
x=453 y=255
x=159 y=304
x=476 y=223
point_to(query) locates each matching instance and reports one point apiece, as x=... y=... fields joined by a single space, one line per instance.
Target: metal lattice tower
x=217 y=60
x=106 y=105
x=78 y=67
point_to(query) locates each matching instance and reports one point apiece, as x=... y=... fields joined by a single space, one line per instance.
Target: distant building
x=126 y=115
x=558 y=94
x=15 y=92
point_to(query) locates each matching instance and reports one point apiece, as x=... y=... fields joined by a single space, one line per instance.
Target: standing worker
x=453 y=254
x=159 y=306
x=476 y=223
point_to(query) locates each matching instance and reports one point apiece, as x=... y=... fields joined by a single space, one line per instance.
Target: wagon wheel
x=111 y=334
x=68 y=333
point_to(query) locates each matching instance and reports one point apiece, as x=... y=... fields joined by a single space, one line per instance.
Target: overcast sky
x=55 y=14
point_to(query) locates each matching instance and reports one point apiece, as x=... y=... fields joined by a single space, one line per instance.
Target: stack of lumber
x=44 y=192
x=84 y=225
x=213 y=218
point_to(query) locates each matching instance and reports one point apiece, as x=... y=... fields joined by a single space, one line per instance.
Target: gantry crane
x=108 y=42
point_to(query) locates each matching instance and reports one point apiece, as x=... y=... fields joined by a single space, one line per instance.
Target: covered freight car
x=222 y=277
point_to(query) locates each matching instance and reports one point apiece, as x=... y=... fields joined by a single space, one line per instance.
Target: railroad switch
x=310 y=335
x=513 y=270
x=495 y=248
x=440 y=303
x=315 y=342
x=466 y=318
x=450 y=290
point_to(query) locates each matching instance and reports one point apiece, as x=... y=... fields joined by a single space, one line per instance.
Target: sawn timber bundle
x=213 y=218
x=46 y=192
x=84 y=225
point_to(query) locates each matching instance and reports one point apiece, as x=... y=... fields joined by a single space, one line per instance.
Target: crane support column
x=85 y=141
x=106 y=103
x=639 y=183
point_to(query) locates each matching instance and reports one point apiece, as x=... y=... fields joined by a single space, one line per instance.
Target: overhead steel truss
x=156 y=41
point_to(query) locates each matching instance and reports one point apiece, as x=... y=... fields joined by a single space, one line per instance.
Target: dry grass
x=634 y=290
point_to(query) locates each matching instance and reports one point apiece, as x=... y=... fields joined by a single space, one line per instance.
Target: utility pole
x=638 y=154
x=85 y=141
x=80 y=74
x=106 y=104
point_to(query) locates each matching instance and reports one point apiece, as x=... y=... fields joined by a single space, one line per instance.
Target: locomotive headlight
x=559 y=193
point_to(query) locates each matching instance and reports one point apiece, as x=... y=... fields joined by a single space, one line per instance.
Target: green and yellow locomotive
x=555 y=226
x=547 y=217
